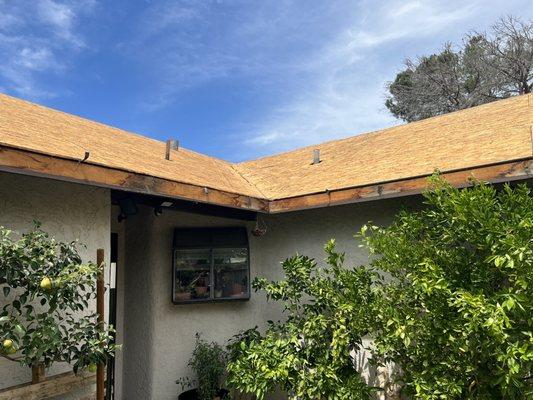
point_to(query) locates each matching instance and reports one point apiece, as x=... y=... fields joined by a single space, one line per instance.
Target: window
x=210 y=264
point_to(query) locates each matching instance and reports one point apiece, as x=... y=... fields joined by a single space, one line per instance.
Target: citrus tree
x=310 y=355
x=447 y=299
x=47 y=289
x=457 y=314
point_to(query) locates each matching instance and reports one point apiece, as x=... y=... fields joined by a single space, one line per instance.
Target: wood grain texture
x=30 y=163
x=505 y=172
x=32 y=127
x=487 y=134
x=100 y=310
x=53 y=386
x=39 y=141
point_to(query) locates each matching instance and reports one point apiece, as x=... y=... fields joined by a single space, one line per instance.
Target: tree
x=455 y=315
x=311 y=354
x=487 y=67
x=447 y=298
x=47 y=290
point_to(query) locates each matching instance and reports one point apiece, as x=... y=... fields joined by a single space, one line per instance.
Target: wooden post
x=100 y=289
x=37 y=373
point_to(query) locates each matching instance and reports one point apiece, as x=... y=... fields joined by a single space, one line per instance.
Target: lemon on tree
x=46 y=287
x=46 y=283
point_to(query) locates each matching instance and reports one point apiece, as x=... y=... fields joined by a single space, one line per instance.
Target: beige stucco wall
x=67 y=211
x=159 y=336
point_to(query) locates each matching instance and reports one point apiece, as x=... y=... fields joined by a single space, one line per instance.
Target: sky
x=233 y=79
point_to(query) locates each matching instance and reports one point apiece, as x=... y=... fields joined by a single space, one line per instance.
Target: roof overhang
x=495 y=173
x=42 y=165
x=31 y=163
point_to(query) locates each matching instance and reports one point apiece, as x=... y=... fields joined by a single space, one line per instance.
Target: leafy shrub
x=457 y=314
x=451 y=307
x=208 y=362
x=311 y=354
x=46 y=287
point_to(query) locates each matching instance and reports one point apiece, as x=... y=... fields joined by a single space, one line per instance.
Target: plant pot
x=237 y=289
x=201 y=290
x=193 y=395
x=181 y=296
x=37 y=373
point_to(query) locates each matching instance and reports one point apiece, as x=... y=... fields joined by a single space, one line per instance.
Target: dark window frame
x=211 y=247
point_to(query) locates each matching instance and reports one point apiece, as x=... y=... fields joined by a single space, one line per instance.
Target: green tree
x=456 y=313
x=311 y=354
x=487 y=67
x=451 y=307
x=47 y=290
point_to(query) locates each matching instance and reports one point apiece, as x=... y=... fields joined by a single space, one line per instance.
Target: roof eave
x=494 y=173
x=43 y=165
x=37 y=164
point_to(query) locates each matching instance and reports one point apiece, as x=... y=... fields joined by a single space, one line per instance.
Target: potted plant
x=201 y=286
x=183 y=292
x=208 y=363
x=45 y=286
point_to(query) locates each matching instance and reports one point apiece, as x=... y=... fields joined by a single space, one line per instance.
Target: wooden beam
x=30 y=163
x=100 y=309
x=50 y=388
x=496 y=173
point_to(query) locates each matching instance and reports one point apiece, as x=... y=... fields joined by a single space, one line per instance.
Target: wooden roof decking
x=28 y=126
x=491 y=133
x=494 y=140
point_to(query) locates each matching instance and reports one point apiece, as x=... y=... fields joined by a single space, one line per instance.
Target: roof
x=493 y=133
x=28 y=126
x=487 y=134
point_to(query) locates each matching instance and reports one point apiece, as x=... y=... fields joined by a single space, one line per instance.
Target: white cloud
x=36 y=38
x=410 y=19
x=317 y=70
x=345 y=93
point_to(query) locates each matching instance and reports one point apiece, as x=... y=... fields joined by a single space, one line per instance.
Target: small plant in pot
x=208 y=362
x=201 y=286
x=183 y=292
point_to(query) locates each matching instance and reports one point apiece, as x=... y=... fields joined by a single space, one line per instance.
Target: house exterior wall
x=67 y=211
x=159 y=336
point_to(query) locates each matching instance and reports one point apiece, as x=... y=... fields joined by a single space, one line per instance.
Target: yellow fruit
x=7 y=343
x=92 y=367
x=11 y=350
x=46 y=283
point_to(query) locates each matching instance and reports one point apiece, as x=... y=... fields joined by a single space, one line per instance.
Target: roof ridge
x=249 y=182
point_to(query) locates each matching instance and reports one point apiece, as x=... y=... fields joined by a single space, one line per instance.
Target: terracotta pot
x=181 y=296
x=201 y=290
x=37 y=373
x=237 y=289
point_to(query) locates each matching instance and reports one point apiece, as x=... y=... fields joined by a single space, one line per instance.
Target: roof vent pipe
x=316 y=156
x=172 y=144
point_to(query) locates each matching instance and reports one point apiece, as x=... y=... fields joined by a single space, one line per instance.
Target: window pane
x=192 y=274
x=231 y=273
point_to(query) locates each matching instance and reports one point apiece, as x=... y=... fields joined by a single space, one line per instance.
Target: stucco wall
x=67 y=211
x=159 y=336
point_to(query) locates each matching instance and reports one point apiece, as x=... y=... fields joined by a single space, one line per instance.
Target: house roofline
x=44 y=165
x=493 y=173
x=36 y=164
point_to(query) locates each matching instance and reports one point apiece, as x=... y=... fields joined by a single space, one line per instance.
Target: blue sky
x=232 y=79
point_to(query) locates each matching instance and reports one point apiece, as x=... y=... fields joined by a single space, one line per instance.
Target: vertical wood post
x=100 y=289
x=37 y=373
